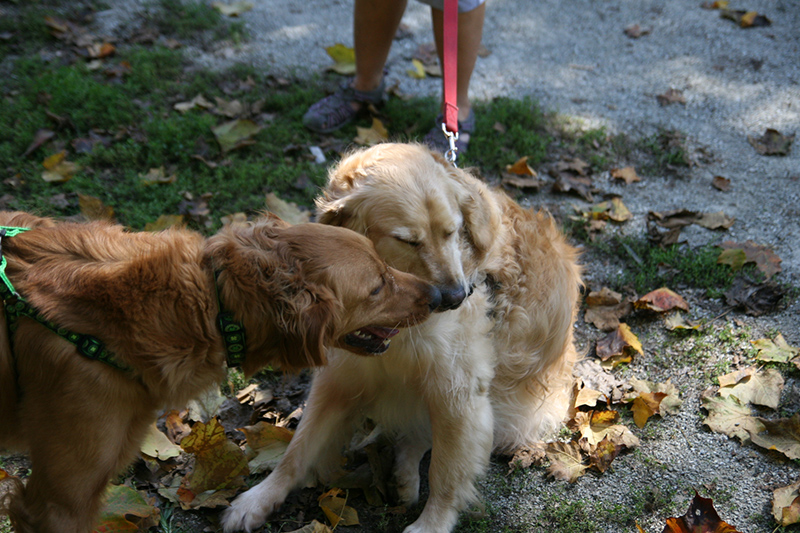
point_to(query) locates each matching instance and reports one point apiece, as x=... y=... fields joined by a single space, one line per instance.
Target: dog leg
x=324 y=429
x=409 y=452
x=461 y=447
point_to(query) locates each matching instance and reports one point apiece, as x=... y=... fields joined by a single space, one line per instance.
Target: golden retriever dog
x=152 y=300
x=492 y=373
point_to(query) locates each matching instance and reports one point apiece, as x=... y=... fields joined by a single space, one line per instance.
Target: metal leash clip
x=452 y=137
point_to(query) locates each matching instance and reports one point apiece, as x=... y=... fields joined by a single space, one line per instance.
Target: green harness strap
x=16 y=306
x=233 y=333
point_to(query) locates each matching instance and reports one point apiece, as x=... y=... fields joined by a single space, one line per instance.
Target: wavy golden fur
x=150 y=297
x=493 y=373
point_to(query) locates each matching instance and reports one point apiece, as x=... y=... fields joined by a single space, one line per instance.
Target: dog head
x=424 y=215
x=301 y=288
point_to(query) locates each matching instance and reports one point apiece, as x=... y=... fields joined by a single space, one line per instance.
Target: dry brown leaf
x=521 y=168
x=198 y=101
x=700 y=518
x=94 y=208
x=765 y=259
x=336 y=509
x=721 y=183
x=672 y=96
x=731 y=417
x=717 y=220
x=778 y=350
x=661 y=300
x=618 y=346
x=604 y=309
x=677 y=321
x=603 y=454
x=157 y=176
x=634 y=31
x=782 y=435
x=58 y=169
x=772 y=142
x=566 y=463
x=287 y=211
x=786 y=504
x=646 y=405
x=41 y=137
x=627 y=174
x=533 y=455
x=670 y=404
x=760 y=387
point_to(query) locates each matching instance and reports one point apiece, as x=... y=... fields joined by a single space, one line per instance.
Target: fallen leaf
x=618 y=346
x=677 y=321
x=730 y=417
x=661 y=300
x=786 y=504
x=231 y=109
x=418 y=70
x=772 y=143
x=721 y=183
x=566 y=463
x=344 y=59
x=521 y=168
x=164 y=222
x=602 y=425
x=373 y=135
x=627 y=174
x=528 y=456
x=717 y=4
x=521 y=182
x=100 y=50
x=604 y=454
x=582 y=186
x=336 y=510
x=158 y=446
x=756 y=298
x=775 y=351
x=587 y=397
x=41 y=137
x=313 y=527
x=765 y=259
x=782 y=435
x=733 y=257
x=235 y=218
x=235 y=134
x=717 y=220
x=669 y=404
x=574 y=165
x=58 y=169
x=176 y=428
x=760 y=387
x=745 y=19
x=234 y=9
x=198 y=101
x=287 y=211
x=219 y=463
x=125 y=509
x=604 y=309
x=700 y=518
x=94 y=208
x=646 y=405
x=672 y=96
x=157 y=175
x=634 y=31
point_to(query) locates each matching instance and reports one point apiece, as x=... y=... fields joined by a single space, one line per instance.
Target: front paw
x=247 y=512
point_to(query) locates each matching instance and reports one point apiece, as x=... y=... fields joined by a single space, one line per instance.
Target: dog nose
x=435 y=298
x=452 y=296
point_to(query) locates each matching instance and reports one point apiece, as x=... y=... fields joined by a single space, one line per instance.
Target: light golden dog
x=151 y=299
x=493 y=373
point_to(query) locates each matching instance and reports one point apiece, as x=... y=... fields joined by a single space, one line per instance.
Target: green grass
x=666 y=150
x=649 y=267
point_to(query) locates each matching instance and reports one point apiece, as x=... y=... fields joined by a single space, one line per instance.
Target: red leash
x=450 y=76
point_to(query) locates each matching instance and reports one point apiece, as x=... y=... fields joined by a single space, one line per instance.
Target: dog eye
x=411 y=243
x=377 y=289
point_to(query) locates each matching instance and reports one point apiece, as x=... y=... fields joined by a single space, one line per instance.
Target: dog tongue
x=383 y=333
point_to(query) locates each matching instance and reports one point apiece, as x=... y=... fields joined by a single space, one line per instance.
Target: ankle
x=364 y=84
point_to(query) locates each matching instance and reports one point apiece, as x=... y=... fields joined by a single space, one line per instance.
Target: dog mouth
x=371 y=340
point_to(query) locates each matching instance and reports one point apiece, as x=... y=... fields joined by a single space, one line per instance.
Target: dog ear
x=333 y=207
x=478 y=207
x=308 y=322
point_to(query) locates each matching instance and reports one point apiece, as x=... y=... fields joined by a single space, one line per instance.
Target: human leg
x=375 y=23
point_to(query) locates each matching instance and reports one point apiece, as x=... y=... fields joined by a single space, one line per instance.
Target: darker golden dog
x=151 y=299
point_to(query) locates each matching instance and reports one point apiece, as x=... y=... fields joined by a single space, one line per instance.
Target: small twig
x=632 y=253
x=722 y=315
x=685 y=437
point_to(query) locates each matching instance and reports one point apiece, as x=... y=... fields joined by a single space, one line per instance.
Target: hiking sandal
x=335 y=111
x=435 y=139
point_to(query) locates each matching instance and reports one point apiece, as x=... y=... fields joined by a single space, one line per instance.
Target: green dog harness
x=15 y=306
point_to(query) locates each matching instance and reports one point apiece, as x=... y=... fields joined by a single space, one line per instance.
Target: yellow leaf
x=163 y=222
x=418 y=72
x=158 y=446
x=235 y=134
x=157 y=175
x=94 y=208
x=344 y=59
x=219 y=463
x=58 y=169
x=646 y=405
x=627 y=174
x=232 y=10
x=336 y=509
x=370 y=136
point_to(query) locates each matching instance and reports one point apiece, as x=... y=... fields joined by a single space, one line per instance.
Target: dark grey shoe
x=435 y=139
x=335 y=111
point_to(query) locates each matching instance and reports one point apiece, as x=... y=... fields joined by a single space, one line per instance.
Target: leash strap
x=233 y=334
x=15 y=306
x=450 y=76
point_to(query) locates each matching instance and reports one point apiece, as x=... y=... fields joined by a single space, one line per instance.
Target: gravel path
x=575 y=59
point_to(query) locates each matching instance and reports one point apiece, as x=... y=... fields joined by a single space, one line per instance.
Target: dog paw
x=246 y=513
x=408 y=491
